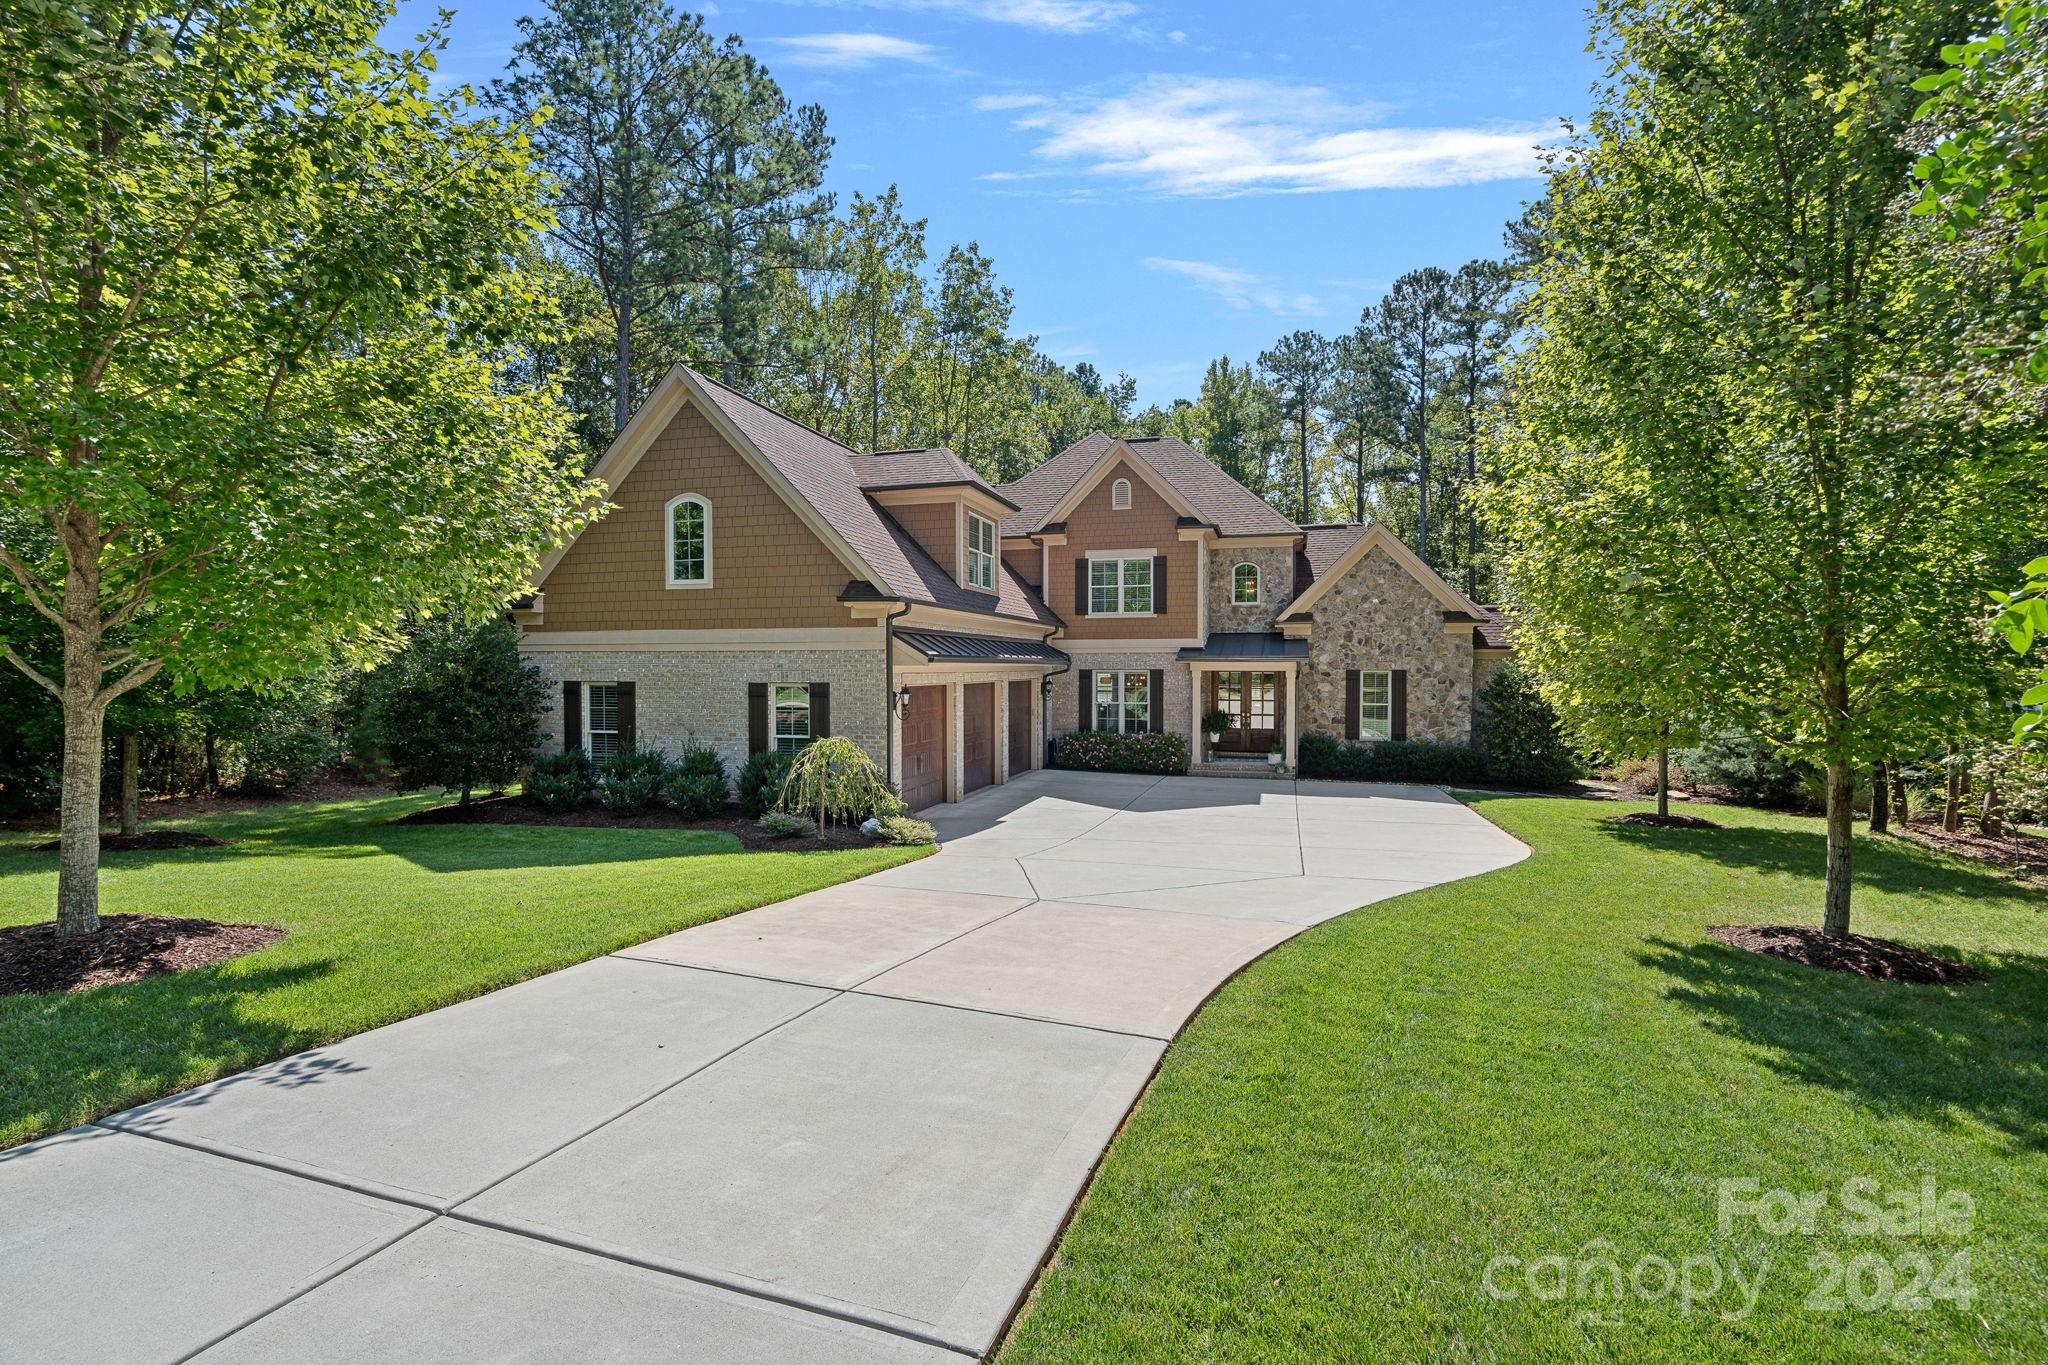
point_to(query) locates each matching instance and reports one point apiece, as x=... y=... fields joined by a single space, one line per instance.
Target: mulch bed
x=1656 y=821
x=1879 y=959
x=127 y=948
x=517 y=810
x=2026 y=854
x=146 y=840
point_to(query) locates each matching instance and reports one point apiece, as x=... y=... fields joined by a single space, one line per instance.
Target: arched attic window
x=689 y=541
x=1244 y=585
x=1120 y=496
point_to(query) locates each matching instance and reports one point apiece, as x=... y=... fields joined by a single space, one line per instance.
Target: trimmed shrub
x=1520 y=734
x=1395 y=760
x=834 y=779
x=694 y=785
x=760 y=782
x=457 y=709
x=899 y=829
x=783 y=825
x=631 y=780
x=1106 y=751
x=562 y=782
x=1750 y=769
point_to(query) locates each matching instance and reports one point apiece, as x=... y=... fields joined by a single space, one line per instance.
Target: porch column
x=1293 y=676
x=1195 y=714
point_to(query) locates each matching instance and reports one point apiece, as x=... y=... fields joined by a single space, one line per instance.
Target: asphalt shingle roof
x=932 y=468
x=1218 y=499
x=822 y=471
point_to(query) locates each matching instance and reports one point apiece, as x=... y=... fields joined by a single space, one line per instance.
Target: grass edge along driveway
x=1552 y=1064
x=383 y=922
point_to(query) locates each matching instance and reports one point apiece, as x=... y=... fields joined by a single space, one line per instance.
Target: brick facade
x=1065 y=704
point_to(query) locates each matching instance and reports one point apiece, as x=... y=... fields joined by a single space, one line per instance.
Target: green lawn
x=384 y=921
x=1552 y=1060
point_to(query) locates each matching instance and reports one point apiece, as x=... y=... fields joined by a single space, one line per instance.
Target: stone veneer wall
x=1065 y=703
x=1276 y=586
x=1378 y=616
x=702 y=694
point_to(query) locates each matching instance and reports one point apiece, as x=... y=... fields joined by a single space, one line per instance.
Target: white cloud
x=1060 y=16
x=1204 y=136
x=849 y=50
x=989 y=102
x=1239 y=288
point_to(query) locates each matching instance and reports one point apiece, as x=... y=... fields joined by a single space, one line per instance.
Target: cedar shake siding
x=766 y=566
x=935 y=526
x=1151 y=525
x=1026 y=561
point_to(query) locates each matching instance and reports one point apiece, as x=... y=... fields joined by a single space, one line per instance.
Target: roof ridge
x=772 y=412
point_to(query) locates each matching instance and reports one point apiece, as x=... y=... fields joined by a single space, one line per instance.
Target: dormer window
x=1244 y=585
x=1120 y=496
x=981 y=552
x=689 y=542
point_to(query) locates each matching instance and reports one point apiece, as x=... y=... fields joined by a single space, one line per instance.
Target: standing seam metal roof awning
x=938 y=645
x=1231 y=644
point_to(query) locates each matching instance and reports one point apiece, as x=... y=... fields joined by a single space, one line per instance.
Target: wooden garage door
x=924 y=748
x=1020 y=727
x=978 y=756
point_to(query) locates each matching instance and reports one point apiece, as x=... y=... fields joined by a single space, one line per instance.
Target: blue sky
x=1164 y=183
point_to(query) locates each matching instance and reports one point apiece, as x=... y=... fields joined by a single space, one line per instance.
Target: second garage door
x=924 y=748
x=978 y=736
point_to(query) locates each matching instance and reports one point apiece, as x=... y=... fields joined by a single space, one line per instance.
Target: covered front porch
x=1252 y=678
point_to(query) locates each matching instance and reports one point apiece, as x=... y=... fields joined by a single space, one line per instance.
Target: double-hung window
x=600 y=720
x=1123 y=701
x=981 y=553
x=792 y=717
x=1375 y=704
x=1120 y=587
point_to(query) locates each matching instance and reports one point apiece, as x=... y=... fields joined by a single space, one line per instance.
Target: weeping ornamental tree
x=1773 y=374
x=258 y=275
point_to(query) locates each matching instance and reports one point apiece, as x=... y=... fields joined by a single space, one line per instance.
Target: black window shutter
x=628 y=728
x=821 y=710
x=1080 y=587
x=1158 y=691
x=1400 y=690
x=757 y=718
x=1087 y=699
x=1351 y=703
x=1159 y=584
x=572 y=717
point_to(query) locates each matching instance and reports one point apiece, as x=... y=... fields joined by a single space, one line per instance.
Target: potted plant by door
x=1274 y=755
x=1214 y=723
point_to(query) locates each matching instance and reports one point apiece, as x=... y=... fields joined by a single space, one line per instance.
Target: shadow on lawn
x=1883 y=864
x=1922 y=1052
x=66 y=1058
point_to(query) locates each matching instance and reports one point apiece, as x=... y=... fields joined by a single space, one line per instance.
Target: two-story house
x=756 y=584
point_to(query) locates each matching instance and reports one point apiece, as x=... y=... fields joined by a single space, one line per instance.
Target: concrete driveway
x=842 y=1128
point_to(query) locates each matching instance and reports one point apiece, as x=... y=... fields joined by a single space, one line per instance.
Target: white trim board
x=693 y=641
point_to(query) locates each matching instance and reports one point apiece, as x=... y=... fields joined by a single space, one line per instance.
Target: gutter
x=1045 y=695
x=889 y=693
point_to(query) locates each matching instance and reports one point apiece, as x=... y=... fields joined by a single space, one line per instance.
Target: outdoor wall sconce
x=903 y=700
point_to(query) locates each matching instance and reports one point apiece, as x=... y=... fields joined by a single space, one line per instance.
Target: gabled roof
x=815 y=475
x=935 y=467
x=1213 y=496
x=1325 y=568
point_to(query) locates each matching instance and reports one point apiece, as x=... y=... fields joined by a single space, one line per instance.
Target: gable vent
x=1120 y=496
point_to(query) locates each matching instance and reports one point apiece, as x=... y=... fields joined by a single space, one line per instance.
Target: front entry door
x=1257 y=701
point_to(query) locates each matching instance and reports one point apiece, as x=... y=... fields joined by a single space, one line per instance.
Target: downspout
x=889 y=694
x=1045 y=696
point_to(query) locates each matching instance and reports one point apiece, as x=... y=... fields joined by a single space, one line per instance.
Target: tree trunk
x=1952 y=808
x=131 y=783
x=463 y=799
x=1902 y=808
x=1991 y=815
x=1664 y=775
x=1879 y=794
x=1841 y=829
x=212 y=747
x=78 y=859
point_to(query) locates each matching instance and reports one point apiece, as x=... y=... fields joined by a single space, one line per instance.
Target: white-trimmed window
x=600 y=720
x=1375 y=704
x=981 y=552
x=1120 y=587
x=1123 y=701
x=689 y=542
x=792 y=716
x=1120 y=496
x=1244 y=585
